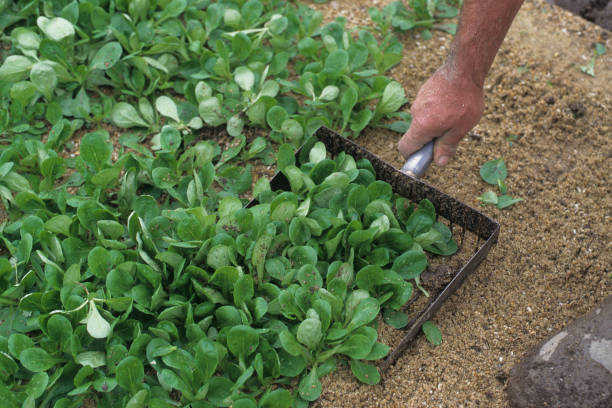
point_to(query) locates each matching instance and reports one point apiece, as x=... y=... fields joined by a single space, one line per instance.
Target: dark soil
x=597 y=11
x=552 y=125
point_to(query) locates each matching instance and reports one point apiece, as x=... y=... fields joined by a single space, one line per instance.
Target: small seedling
x=511 y=139
x=589 y=69
x=423 y=15
x=522 y=69
x=495 y=172
x=432 y=333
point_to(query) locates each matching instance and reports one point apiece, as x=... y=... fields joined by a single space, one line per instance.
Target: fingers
x=446 y=146
x=416 y=137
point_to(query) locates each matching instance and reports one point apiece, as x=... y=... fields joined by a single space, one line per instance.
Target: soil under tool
x=485 y=229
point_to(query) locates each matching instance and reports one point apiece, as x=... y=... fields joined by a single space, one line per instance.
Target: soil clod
x=578 y=109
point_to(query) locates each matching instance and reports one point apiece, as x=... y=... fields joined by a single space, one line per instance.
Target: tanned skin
x=451 y=102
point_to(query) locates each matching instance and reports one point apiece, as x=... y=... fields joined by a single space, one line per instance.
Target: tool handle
x=417 y=164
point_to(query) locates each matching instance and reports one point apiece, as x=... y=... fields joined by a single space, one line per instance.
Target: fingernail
x=442 y=160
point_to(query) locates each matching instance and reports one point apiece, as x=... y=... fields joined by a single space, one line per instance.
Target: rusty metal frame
x=414 y=189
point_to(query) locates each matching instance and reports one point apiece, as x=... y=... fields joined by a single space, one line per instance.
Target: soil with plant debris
x=551 y=123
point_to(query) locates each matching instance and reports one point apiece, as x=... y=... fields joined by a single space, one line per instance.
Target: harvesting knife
x=419 y=161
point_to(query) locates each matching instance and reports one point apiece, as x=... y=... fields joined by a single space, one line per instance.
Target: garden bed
x=550 y=121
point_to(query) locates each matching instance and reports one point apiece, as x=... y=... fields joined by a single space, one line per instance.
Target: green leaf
x=25 y=38
x=242 y=340
x=164 y=178
x=170 y=139
x=289 y=343
x=170 y=379
x=93 y=359
x=243 y=289
x=366 y=311
x=317 y=153
x=379 y=351
x=139 y=400
x=361 y=120
x=410 y=264
x=97 y=327
x=232 y=18
x=18 y=342
x=279 y=398
x=235 y=125
x=285 y=156
x=278 y=24
x=166 y=107
x=245 y=78
x=173 y=9
x=130 y=373
x=310 y=387
x=23 y=92
x=59 y=329
x=241 y=46
x=202 y=91
x=207 y=357
x=219 y=389
x=125 y=115
x=391 y=100
x=366 y=373
x=292 y=130
x=275 y=117
x=236 y=179
x=309 y=331
x=37 y=360
x=96 y=149
x=107 y=56
x=210 y=111
x=348 y=100
x=336 y=62
x=15 y=68
x=43 y=76
x=506 y=201
x=502 y=187
x=106 y=177
x=395 y=318
x=356 y=346
x=432 y=332
x=56 y=28
x=37 y=385
x=489 y=197
x=493 y=171
x=589 y=69
x=369 y=277
x=329 y=93
x=419 y=222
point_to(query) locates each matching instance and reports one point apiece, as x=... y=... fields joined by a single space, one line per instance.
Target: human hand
x=446 y=107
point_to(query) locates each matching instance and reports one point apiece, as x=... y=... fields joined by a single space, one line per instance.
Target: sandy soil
x=552 y=262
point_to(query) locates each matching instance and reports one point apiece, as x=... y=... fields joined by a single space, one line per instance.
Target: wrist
x=463 y=75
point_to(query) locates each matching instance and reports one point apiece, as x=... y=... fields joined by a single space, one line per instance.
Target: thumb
x=446 y=146
x=415 y=138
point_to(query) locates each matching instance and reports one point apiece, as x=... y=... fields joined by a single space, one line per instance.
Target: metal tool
x=409 y=186
x=419 y=161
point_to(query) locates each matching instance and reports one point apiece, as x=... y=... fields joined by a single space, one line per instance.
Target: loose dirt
x=597 y=11
x=552 y=262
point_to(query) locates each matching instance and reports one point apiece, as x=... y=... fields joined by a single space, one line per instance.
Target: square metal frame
x=484 y=227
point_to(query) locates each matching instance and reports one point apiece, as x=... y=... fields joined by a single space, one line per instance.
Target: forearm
x=482 y=28
x=451 y=102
